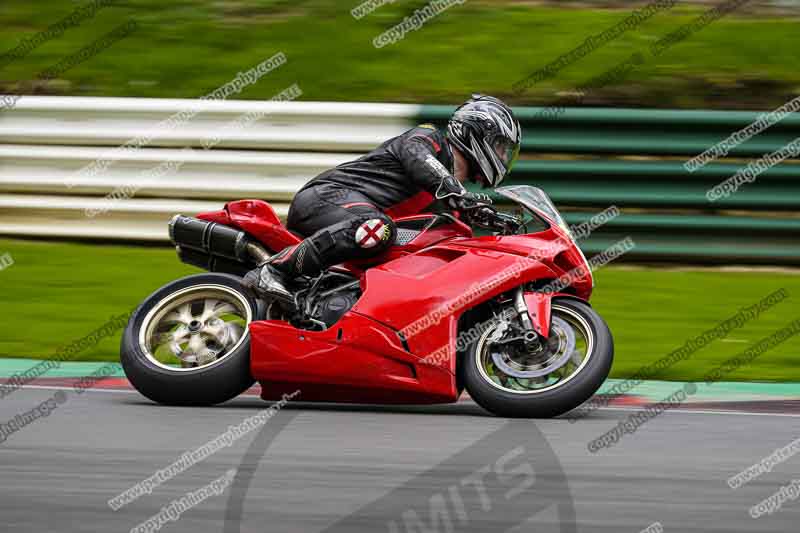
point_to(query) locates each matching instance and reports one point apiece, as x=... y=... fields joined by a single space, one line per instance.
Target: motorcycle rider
x=346 y=212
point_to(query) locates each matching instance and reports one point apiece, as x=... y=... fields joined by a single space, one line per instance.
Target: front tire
x=188 y=343
x=552 y=394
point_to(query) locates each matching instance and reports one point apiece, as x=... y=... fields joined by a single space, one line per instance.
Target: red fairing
x=413 y=205
x=438 y=285
x=370 y=361
x=357 y=360
x=552 y=248
x=398 y=342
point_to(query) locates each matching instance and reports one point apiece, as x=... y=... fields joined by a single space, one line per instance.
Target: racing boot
x=269 y=283
x=270 y=280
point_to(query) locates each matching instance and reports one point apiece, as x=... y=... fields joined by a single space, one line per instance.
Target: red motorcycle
x=504 y=316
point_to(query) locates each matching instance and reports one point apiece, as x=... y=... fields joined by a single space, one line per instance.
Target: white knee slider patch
x=372 y=233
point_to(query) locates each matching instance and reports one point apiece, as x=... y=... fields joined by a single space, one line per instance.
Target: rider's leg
x=360 y=230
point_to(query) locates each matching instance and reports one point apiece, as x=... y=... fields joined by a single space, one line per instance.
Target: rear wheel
x=509 y=379
x=189 y=343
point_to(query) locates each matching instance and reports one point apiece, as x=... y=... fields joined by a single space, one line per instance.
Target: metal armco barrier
x=586 y=159
x=591 y=158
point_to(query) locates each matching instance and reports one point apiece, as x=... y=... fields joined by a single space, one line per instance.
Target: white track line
x=701 y=412
x=687 y=411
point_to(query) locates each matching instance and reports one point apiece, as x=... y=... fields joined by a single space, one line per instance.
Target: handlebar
x=487 y=217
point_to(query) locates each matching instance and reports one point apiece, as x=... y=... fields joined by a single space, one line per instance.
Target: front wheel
x=509 y=379
x=189 y=343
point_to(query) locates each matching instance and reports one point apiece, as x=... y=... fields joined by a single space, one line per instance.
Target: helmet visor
x=507 y=152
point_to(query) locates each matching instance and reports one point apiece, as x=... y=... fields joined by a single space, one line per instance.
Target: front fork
x=534 y=312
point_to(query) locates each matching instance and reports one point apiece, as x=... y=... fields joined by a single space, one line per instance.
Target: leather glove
x=469 y=200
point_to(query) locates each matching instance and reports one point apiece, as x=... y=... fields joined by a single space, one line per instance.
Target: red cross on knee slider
x=371 y=233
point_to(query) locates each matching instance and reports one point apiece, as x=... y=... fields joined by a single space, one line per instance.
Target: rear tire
x=562 y=397
x=213 y=383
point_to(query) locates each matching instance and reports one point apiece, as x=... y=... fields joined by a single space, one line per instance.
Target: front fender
x=540 y=305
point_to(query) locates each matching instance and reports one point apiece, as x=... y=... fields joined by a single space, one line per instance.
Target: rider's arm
x=418 y=154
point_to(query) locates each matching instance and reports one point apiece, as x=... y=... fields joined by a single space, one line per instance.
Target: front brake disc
x=563 y=335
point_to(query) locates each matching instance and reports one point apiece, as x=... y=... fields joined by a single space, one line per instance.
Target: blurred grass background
x=187 y=48
x=59 y=292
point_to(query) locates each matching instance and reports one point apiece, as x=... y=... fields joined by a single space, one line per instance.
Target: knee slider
x=374 y=233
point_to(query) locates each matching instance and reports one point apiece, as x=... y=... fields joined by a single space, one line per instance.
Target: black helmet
x=485 y=131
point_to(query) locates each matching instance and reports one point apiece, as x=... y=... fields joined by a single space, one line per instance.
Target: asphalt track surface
x=367 y=469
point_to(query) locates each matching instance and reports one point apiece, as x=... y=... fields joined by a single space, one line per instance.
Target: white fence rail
x=318 y=126
x=45 y=141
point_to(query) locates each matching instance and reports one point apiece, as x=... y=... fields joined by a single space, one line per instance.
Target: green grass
x=187 y=48
x=56 y=293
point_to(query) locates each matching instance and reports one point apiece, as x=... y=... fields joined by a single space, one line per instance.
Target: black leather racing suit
x=346 y=212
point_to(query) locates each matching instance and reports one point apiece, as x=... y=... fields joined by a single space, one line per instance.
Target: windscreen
x=537 y=201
